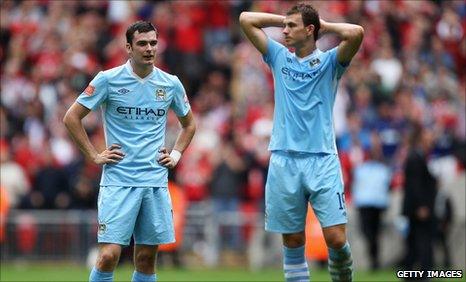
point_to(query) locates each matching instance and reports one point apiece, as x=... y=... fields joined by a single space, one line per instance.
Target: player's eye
x=153 y=43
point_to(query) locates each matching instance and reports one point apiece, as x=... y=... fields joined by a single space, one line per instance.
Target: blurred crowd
x=409 y=70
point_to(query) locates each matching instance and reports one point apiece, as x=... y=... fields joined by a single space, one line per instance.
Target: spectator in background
x=390 y=129
x=419 y=199
x=364 y=105
x=4 y=209
x=389 y=68
x=371 y=183
x=444 y=216
x=188 y=34
x=355 y=134
x=83 y=194
x=51 y=186
x=12 y=178
x=226 y=187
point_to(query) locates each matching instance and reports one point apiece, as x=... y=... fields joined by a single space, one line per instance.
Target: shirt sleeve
x=273 y=49
x=95 y=93
x=337 y=67
x=180 y=103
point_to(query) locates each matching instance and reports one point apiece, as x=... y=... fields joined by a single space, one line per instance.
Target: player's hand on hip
x=111 y=155
x=166 y=159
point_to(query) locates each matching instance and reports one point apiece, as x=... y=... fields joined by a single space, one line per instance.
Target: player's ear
x=129 y=49
x=310 y=29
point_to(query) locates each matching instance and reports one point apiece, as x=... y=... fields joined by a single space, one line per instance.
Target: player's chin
x=149 y=62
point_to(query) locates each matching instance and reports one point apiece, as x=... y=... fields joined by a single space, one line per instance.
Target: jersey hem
x=304 y=151
x=335 y=223
x=109 y=241
x=158 y=185
x=153 y=243
x=283 y=231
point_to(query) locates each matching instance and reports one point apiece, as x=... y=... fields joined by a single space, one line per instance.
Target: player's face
x=143 y=48
x=295 y=32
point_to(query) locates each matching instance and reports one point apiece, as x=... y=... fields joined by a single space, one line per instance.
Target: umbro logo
x=123 y=91
x=314 y=62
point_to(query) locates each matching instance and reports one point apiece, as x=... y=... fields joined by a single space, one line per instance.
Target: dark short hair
x=140 y=26
x=309 y=15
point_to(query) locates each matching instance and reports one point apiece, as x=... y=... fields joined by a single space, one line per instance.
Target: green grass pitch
x=67 y=272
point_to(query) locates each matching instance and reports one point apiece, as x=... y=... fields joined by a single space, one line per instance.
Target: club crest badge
x=160 y=95
x=102 y=228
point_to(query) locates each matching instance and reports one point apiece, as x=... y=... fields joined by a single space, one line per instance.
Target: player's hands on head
x=111 y=155
x=323 y=27
x=165 y=159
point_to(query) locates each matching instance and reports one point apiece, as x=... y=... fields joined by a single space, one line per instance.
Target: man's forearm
x=79 y=135
x=184 y=138
x=261 y=20
x=344 y=31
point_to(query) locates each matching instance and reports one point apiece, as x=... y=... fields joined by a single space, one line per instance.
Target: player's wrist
x=94 y=156
x=175 y=155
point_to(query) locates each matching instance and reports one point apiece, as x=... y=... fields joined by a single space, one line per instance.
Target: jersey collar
x=314 y=53
x=130 y=69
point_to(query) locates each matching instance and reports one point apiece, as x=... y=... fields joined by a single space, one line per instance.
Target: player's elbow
x=354 y=35
x=245 y=19
x=360 y=31
x=68 y=119
x=357 y=32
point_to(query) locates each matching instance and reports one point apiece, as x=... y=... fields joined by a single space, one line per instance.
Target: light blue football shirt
x=305 y=90
x=134 y=113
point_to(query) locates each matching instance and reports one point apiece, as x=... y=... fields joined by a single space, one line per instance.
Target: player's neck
x=305 y=50
x=141 y=70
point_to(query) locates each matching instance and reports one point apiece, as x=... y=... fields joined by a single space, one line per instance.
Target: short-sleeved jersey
x=305 y=90
x=134 y=113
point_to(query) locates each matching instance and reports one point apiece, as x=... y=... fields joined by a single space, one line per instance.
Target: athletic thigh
x=117 y=212
x=154 y=224
x=325 y=184
x=286 y=201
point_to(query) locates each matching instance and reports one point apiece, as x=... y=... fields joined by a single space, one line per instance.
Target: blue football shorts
x=296 y=179
x=144 y=212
